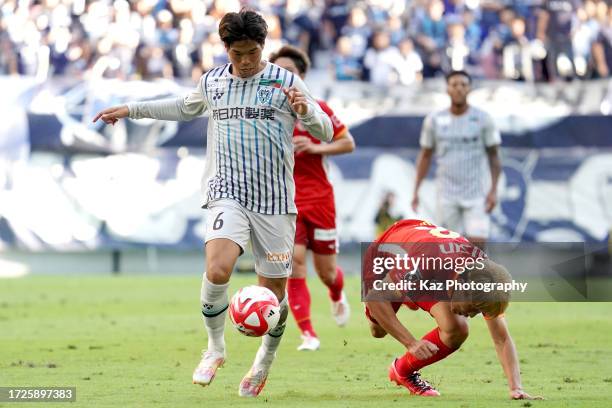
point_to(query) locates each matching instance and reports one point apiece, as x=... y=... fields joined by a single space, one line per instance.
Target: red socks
x=335 y=289
x=299 y=303
x=299 y=300
x=407 y=364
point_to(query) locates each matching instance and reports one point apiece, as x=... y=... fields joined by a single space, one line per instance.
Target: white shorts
x=271 y=235
x=467 y=217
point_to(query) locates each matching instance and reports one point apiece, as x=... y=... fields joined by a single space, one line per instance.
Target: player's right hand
x=423 y=349
x=110 y=116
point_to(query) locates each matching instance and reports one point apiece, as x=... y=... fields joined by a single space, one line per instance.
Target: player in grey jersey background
x=248 y=179
x=466 y=144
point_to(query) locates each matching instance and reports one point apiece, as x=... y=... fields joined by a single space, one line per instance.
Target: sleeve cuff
x=131 y=109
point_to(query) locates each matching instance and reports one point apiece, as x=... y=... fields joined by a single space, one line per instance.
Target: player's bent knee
x=457 y=334
x=218 y=272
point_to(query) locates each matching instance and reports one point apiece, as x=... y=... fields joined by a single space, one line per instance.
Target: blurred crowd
x=385 y=42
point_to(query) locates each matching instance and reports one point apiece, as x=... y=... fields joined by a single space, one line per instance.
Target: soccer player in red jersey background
x=450 y=309
x=316 y=220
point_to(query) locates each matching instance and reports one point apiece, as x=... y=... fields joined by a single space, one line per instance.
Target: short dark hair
x=458 y=72
x=299 y=57
x=244 y=25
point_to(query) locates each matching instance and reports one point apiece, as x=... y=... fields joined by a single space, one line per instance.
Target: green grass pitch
x=133 y=341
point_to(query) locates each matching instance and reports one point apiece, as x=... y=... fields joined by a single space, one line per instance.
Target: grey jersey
x=249 y=155
x=460 y=144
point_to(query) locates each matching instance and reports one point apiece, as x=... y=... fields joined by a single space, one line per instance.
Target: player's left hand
x=491 y=201
x=297 y=100
x=522 y=395
x=303 y=144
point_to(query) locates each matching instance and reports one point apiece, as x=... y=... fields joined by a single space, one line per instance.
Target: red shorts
x=426 y=306
x=315 y=228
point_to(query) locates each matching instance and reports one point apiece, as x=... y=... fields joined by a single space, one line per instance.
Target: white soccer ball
x=254 y=311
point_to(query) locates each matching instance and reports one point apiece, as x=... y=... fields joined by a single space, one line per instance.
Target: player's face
x=245 y=57
x=458 y=88
x=466 y=309
x=289 y=65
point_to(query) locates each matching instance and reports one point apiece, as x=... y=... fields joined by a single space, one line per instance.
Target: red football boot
x=413 y=383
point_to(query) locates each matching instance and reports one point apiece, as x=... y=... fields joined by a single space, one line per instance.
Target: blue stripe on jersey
x=284 y=101
x=216 y=71
x=246 y=186
x=280 y=134
x=279 y=152
x=229 y=90
x=252 y=169
x=269 y=137
x=258 y=172
x=243 y=89
x=265 y=175
x=218 y=171
x=223 y=154
x=229 y=158
x=291 y=81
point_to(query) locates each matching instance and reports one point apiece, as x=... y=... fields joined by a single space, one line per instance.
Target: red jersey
x=427 y=252
x=310 y=171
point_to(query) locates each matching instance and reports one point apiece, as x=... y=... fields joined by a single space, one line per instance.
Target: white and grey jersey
x=249 y=155
x=460 y=144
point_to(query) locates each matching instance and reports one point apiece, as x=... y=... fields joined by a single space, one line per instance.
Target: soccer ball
x=254 y=311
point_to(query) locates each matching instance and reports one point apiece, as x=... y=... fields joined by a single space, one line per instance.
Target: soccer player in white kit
x=248 y=179
x=466 y=142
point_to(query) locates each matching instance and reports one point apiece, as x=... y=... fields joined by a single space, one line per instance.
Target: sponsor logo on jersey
x=217 y=88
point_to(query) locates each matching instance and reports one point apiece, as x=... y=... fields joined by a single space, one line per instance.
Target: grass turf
x=133 y=341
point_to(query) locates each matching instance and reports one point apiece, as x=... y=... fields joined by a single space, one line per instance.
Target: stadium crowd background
x=382 y=41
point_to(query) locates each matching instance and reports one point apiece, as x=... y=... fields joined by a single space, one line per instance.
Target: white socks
x=214 y=308
x=270 y=342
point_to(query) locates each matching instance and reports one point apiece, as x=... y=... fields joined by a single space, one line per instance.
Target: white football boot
x=253 y=382
x=341 y=311
x=309 y=343
x=206 y=370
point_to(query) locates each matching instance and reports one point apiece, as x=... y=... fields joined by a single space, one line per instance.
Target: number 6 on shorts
x=218 y=222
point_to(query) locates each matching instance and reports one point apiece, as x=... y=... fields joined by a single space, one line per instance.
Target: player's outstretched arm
x=180 y=108
x=508 y=357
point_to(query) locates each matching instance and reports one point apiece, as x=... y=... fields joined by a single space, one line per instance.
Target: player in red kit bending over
x=450 y=309
x=316 y=220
